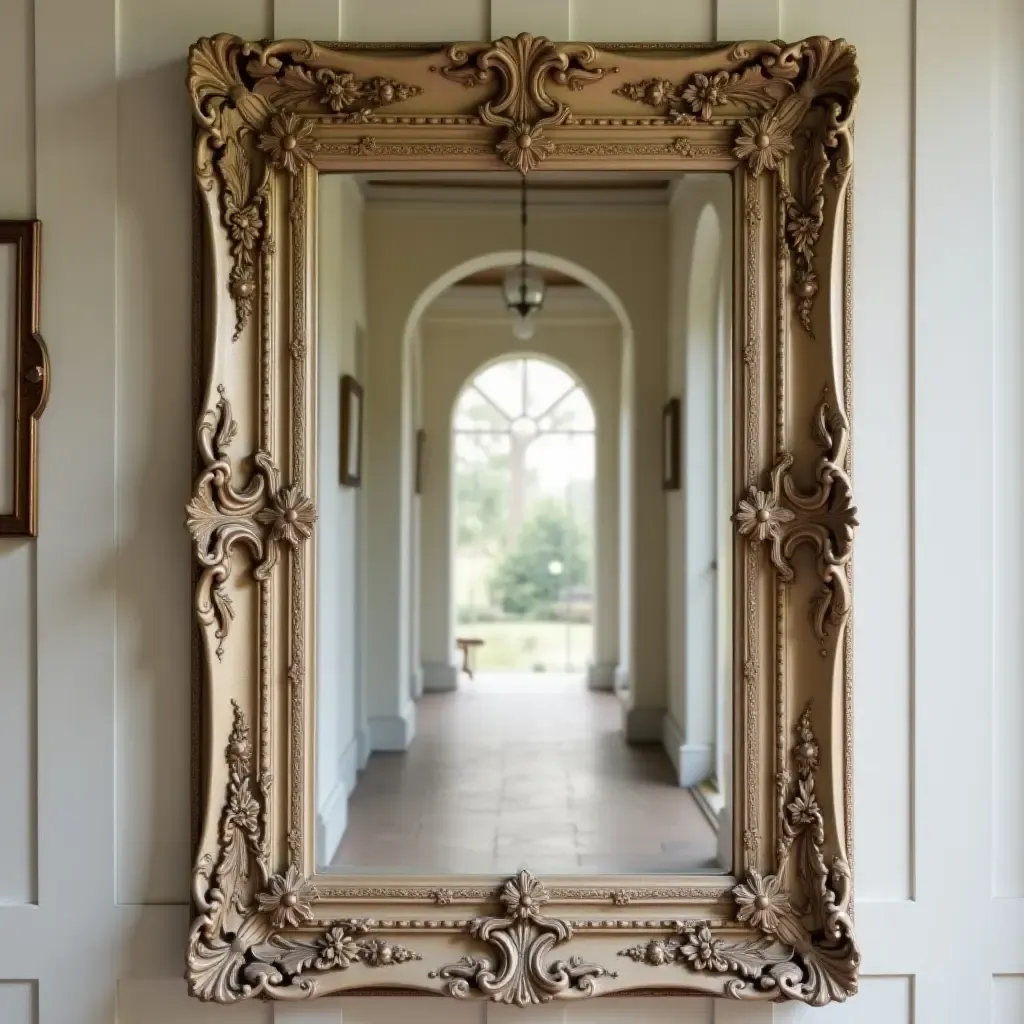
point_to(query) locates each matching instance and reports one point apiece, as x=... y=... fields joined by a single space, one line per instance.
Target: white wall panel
x=17 y=723
x=165 y=1001
x=879 y=1001
x=882 y=470
x=414 y=20
x=1008 y=434
x=17 y=557
x=651 y=1010
x=18 y=1003
x=641 y=20
x=1008 y=999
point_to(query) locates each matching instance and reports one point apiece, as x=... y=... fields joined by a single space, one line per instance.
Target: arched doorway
x=523 y=444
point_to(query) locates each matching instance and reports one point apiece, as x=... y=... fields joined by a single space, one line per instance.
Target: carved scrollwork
x=237 y=948
x=526 y=66
x=783 y=517
x=808 y=953
x=778 y=97
x=260 y=516
x=522 y=939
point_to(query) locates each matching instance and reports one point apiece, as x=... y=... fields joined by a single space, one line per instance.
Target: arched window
x=524 y=447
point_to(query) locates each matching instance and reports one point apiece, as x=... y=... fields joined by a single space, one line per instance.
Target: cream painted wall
x=699 y=362
x=454 y=348
x=410 y=246
x=94 y=857
x=342 y=743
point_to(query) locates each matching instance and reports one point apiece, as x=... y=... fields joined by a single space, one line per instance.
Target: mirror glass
x=523 y=644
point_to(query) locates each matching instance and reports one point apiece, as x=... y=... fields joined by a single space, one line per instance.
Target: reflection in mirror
x=550 y=683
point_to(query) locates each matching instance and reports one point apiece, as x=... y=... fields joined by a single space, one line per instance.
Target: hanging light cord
x=522 y=267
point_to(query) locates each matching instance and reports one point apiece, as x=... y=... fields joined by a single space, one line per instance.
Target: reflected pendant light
x=523 y=286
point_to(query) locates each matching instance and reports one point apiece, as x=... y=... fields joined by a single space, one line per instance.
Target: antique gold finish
x=31 y=376
x=271 y=117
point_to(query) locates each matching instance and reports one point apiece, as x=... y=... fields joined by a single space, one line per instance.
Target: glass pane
x=573 y=412
x=474 y=412
x=503 y=384
x=545 y=385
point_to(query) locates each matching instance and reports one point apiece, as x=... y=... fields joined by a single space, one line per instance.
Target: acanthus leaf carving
x=229 y=115
x=779 y=97
x=322 y=90
x=259 y=516
x=518 y=974
x=808 y=953
x=783 y=517
x=525 y=67
x=237 y=946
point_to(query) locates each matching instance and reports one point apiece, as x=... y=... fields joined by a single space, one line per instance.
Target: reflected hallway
x=514 y=771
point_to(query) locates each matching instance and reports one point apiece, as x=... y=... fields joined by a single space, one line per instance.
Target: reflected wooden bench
x=466 y=644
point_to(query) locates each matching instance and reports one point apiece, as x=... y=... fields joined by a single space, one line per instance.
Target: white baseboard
x=393 y=732
x=439 y=677
x=601 y=675
x=693 y=762
x=363 y=745
x=332 y=814
x=642 y=725
x=621 y=679
x=416 y=683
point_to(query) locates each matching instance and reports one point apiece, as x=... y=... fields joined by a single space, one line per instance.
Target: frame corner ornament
x=270 y=116
x=807 y=951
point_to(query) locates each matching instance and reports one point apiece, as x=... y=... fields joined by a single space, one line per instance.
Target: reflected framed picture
x=670 y=460
x=421 y=441
x=24 y=376
x=351 y=451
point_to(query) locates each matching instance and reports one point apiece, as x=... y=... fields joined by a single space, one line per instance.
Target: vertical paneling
x=955 y=470
x=76 y=190
x=17 y=556
x=1007 y=999
x=17 y=723
x=427 y=1011
x=414 y=20
x=641 y=20
x=18 y=1002
x=164 y=1001
x=1008 y=669
x=881 y=1000
x=633 y=1011
x=541 y=17
x=882 y=429
x=154 y=434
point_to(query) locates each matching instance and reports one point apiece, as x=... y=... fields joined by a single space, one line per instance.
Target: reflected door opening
x=524 y=511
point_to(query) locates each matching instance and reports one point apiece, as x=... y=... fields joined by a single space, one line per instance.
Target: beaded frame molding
x=269 y=118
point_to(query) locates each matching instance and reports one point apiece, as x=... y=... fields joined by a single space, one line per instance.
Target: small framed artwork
x=670 y=461
x=421 y=441
x=351 y=452
x=24 y=376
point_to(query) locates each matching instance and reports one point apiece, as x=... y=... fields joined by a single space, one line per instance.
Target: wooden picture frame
x=671 y=461
x=270 y=118
x=24 y=376
x=421 y=443
x=350 y=452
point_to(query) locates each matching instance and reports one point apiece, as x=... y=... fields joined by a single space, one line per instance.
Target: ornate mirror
x=522 y=520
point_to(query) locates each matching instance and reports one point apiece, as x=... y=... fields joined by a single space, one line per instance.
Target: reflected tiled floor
x=517 y=771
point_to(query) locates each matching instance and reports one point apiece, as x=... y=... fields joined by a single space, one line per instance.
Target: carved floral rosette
x=269 y=117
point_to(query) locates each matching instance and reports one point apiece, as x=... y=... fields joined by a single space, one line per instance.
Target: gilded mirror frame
x=269 y=117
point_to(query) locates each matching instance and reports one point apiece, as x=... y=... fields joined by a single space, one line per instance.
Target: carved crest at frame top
x=267 y=114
